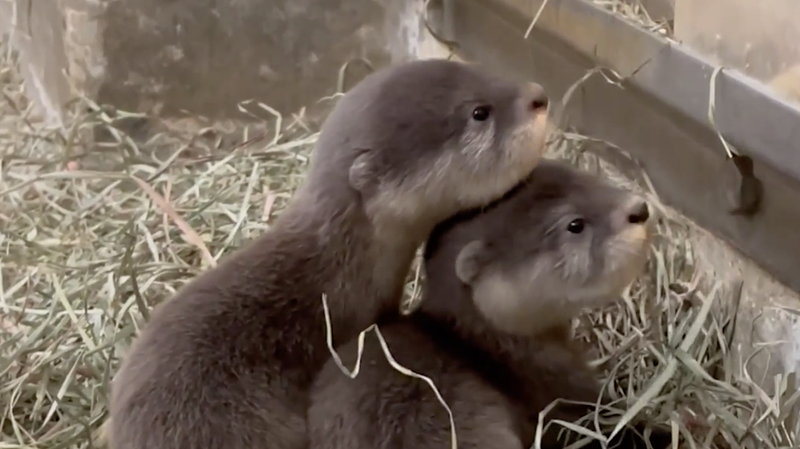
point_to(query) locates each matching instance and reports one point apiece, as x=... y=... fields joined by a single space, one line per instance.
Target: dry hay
x=630 y=10
x=633 y=11
x=94 y=235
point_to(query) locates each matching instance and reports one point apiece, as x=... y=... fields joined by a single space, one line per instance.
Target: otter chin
x=591 y=242
x=493 y=331
x=227 y=362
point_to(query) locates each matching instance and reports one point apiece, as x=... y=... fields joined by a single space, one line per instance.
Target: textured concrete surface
x=658 y=9
x=203 y=57
x=36 y=30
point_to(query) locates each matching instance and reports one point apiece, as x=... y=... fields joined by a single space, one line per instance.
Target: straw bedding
x=93 y=235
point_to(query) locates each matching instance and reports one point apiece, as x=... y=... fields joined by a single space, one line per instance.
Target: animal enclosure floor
x=93 y=235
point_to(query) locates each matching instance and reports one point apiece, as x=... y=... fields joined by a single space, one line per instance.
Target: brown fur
x=492 y=332
x=227 y=362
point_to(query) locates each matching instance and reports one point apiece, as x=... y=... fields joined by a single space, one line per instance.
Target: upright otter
x=493 y=328
x=227 y=362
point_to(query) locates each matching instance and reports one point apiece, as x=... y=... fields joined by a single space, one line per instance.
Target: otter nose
x=639 y=213
x=536 y=98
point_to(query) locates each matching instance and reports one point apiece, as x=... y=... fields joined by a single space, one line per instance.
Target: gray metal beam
x=659 y=113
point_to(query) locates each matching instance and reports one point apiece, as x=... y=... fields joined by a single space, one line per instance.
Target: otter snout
x=535 y=98
x=631 y=214
x=639 y=212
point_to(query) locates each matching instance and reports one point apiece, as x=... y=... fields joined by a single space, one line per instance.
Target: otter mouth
x=627 y=259
x=527 y=145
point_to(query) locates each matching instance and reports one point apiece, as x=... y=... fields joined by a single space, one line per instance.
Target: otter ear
x=362 y=172
x=470 y=261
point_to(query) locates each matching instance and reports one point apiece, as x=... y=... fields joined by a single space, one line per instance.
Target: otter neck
x=450 y=304
x=362 y=264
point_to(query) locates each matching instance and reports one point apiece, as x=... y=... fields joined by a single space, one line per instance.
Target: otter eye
x=576 y=226
x=481 y=113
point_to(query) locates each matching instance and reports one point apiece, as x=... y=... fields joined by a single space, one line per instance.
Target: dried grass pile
x=92 y=236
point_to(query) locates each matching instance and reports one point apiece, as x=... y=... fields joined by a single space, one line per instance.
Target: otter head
x=562 y=241
x=419 y=141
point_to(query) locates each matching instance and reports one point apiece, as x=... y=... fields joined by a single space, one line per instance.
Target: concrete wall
x=202 y=57
x=760 y=38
